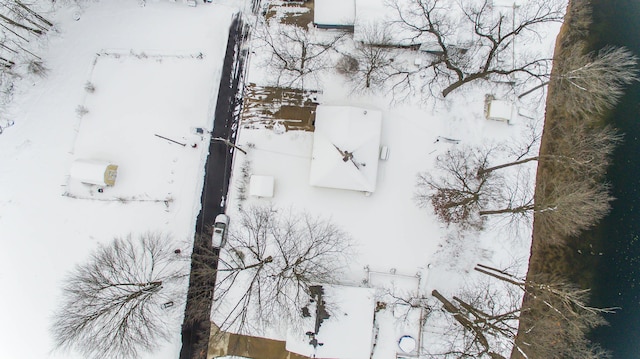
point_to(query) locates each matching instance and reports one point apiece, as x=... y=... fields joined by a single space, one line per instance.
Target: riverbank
x=582 y=259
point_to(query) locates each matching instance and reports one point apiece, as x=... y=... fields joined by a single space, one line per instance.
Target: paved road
x=195 y=334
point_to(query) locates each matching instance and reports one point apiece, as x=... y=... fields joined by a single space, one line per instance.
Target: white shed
x=261 y=186
x=501 y=110
x=101 y=173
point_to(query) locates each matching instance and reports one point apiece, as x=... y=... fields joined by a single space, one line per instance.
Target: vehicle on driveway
x=219 y=237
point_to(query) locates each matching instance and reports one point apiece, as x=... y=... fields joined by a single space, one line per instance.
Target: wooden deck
x=222 y=344
x=266 y=105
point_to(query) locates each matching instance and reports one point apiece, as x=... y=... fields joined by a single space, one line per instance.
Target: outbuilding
x=501 y=110
x=334 y=14
x=96 y=172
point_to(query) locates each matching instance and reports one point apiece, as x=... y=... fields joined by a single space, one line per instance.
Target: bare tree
x=491 y=53
x=557 y=317
x=565 y=208
x=296 y=54
x=117 y=303
x=373 y=57
x=272 y=259
x=489 y=321
x=459 y=192
x=582 y=149
x=21 y=26
x=467 y=185
x=483 y=321
x=592 y=82
x=18 y=21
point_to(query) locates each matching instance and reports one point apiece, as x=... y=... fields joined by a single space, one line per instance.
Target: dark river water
x=616 y=273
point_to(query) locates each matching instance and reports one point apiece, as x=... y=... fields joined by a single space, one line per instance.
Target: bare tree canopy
x=455 y=190
x=467 y=185
x=19 y=24
x=482 y=321
x=495 y=51
x=273 y=257
x=591 y=83
x=372 y=58
x=117 y=303
x=557 y=318
x=296 y=54
x=487 y=319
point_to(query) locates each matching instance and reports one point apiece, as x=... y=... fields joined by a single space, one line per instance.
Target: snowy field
x=130 y=112
x=155 y=70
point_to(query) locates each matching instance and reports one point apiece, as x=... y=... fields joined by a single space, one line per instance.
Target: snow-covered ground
x=395 y=238
x=155 y=70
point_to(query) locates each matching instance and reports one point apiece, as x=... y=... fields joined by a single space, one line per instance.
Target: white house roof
x=347 y=333
x=334 y=12
x=346 y=145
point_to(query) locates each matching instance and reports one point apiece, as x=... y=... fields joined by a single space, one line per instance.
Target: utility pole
x=201 y=131
x=228 y=143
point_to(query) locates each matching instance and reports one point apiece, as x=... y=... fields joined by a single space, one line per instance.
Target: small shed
x=261 y=186
x=97 y=172
x=501 y=110
x=334 y=14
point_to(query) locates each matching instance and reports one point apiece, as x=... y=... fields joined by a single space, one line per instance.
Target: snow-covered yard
x=392 y=234
x=155 y=70
x=396 y=241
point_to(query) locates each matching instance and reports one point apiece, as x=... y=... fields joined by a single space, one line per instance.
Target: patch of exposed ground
x=298 y=13
x=267 y=106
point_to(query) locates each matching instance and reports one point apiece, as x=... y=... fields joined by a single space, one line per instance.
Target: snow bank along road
x=218 y=171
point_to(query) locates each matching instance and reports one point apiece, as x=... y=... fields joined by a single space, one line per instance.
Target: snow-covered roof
x=346 y=144
x=334 y=13
x=347 y=333
x=501 y=110
x=96 y=172
x=374 y=24
x=261 y=186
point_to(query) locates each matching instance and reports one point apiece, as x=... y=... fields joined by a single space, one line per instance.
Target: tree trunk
x=269 y=259
x=7 y=63
x=483 y=171
x=520 y=209
x=38 y=16
x=11 y=22
x=506 y=278
x=533 y=89
x=8 y=48
x=464 y=321
x=13 y=32
x=463 y=81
